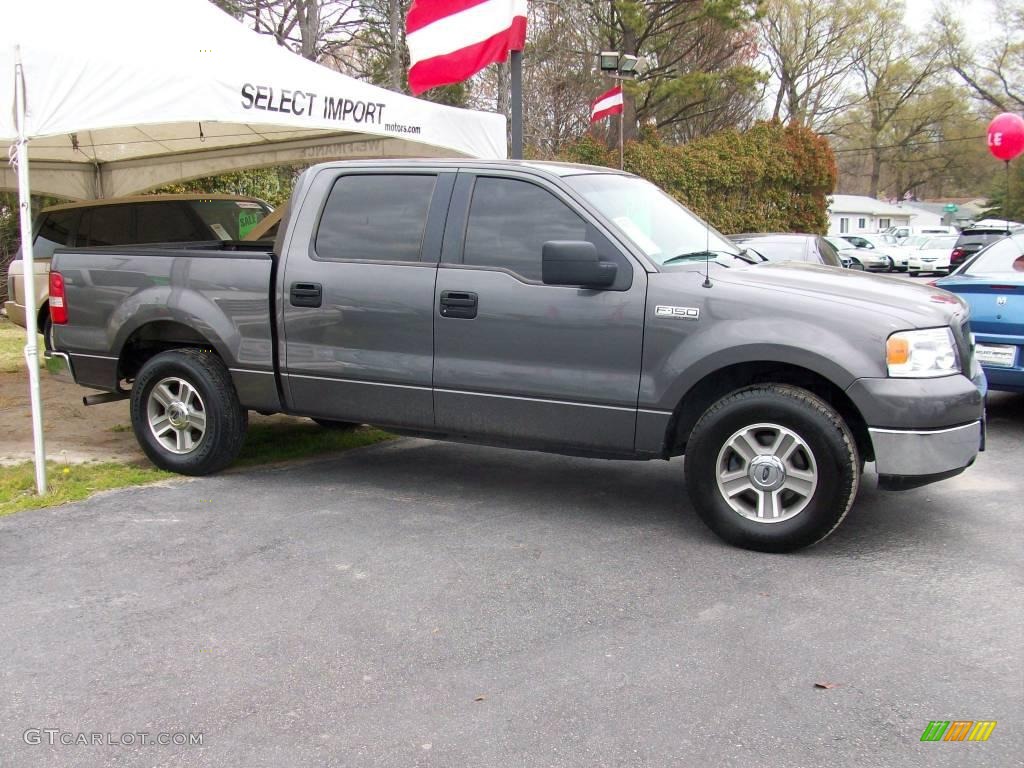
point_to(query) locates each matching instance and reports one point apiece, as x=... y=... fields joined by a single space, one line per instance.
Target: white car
x=931 y=254
x=882 y=244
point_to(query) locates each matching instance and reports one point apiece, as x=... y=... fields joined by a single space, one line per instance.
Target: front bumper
x=909 y=458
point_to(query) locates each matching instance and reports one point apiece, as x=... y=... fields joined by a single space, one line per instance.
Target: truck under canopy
x=129 y=95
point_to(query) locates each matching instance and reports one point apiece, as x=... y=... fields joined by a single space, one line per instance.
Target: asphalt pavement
x=428 y=604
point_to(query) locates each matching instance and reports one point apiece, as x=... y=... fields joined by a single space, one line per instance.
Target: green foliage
x=771 y=178
x=997 y=209
x=271 y=184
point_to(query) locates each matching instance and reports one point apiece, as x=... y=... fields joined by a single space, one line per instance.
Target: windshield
x=230 y=219
x=941 y=242
x=658 y=225
x=1007 y=255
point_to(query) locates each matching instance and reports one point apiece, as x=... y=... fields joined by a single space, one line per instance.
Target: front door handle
x=306 y=294
x=460 y=304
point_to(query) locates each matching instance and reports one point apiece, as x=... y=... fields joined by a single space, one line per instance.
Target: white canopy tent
x=111 y=97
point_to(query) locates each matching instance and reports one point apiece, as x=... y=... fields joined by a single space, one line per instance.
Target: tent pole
x=31 y=340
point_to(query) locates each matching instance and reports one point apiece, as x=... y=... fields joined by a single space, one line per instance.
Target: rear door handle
x=461 y=304
x=306 y=294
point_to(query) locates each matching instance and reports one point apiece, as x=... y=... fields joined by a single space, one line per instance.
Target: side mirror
x=568 y=262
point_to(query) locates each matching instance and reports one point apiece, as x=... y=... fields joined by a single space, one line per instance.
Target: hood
x=913 y=305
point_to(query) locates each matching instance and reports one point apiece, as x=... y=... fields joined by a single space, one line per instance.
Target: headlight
x=922 y=354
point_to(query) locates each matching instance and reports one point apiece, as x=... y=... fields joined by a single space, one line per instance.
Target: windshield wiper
x=705 y=254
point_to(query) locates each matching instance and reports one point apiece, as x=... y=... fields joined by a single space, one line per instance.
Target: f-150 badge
x=680 y=313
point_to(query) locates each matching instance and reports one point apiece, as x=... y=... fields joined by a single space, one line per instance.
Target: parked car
x=810 y=249
x=904 y=231
x=552 y=307
x=978 y=235
x=860 y=258
x=932 y=255
x=992 y=282
x=885 y=244
x=126 y=221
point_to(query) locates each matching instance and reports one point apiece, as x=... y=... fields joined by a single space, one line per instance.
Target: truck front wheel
x=185 y=412
x=772 y=468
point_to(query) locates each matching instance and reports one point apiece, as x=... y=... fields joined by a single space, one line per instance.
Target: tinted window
x=169 y=222
x=377 y=217
x=105 y=225
x=56 y=231
x=509 y=222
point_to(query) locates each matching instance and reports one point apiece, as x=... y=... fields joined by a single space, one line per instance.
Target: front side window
x=375 y=218
x=509 y=222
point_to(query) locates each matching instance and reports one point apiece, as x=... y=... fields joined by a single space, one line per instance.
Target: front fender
x=674 y=362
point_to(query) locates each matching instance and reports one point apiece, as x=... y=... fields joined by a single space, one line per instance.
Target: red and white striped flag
x=608 y=103
x=451 y=40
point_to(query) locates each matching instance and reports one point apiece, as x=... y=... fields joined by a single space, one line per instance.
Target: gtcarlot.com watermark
x=59 y=737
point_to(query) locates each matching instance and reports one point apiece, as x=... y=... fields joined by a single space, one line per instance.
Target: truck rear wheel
x=185 y=412
x=772 y=468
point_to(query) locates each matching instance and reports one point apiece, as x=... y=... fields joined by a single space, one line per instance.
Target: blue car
x=993 y=284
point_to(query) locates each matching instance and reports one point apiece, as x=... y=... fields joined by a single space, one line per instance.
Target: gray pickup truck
x=562 y=308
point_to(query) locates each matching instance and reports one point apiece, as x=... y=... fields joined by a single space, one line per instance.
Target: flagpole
x=517 y=105
x=622 y=161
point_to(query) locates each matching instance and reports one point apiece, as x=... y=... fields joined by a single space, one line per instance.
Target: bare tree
x=315 y=29
x=810 y=48
x=995 y=73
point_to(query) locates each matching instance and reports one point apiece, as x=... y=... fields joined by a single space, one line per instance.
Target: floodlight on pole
x=628 y=64
x=609 y=61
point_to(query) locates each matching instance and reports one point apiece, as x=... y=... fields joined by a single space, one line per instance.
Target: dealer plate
x=1004 y=355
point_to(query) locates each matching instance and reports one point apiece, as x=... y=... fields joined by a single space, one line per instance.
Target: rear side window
x=509 y=222
x=169 y=222
x=375 y=218
x=105 y=225
x=56 y=231
x=829 y=255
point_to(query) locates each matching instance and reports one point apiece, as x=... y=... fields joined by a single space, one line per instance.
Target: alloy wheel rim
x=176 y=415
x=766 y=473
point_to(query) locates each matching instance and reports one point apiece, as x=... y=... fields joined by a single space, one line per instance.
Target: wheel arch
x=720 y=382
x=151 y=338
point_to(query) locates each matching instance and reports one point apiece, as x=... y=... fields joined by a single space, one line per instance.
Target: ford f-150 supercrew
x=553 y=307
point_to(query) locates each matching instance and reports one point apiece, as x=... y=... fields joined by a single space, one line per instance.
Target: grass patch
x=264 y=444
x=121 y=428
x=267 y=443
x=67 y=483
x=12 y=346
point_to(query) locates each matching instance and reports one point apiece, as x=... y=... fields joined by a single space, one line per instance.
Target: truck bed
x=220 y=292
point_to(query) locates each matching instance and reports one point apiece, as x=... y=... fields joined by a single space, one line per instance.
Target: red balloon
x=1006 y=136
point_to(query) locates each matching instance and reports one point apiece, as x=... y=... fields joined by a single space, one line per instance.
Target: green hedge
x=770 y=178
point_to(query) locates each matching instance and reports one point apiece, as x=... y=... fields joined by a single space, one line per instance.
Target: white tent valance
x=126 y=95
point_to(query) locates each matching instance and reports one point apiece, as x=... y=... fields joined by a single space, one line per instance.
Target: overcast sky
x=976 y=16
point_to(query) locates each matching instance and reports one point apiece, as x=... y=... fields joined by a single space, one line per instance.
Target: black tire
x=828 y=453
x=46 y=328
x=331 y=424
x=224 y=420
